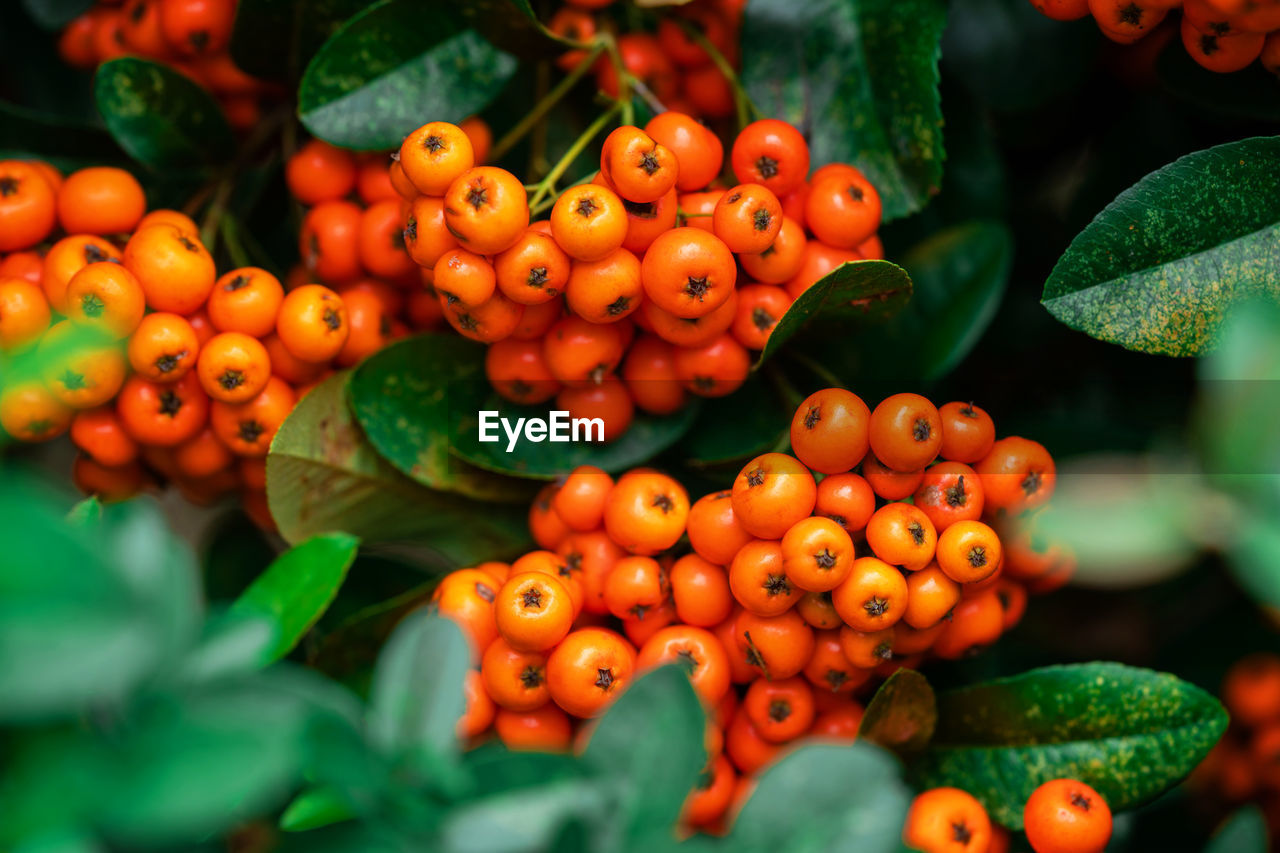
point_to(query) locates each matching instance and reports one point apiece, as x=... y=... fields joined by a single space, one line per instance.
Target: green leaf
x=417 y=693
x=1130 y=733
x=1255 y=558
x=394 y=66
x=275 y=39
x=323 y=476
x=314 y=808
x=902 y=714
x=647 y=436
x=55 y=14
x=513 y=26
x=160 y=117
x=1244 y=832
x=63 y=142
x=86 y=512
x=739 y=426
x=297 y=588
x=860 y=79
x=531 y=820
x=881 y=289
x=355 y=641
x=404 y=396
x=1158 y=269
x=659 y=707
x=822 y=797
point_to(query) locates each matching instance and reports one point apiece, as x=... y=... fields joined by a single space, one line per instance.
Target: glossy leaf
x=1160 y=267
x=323 y=476
x=405 y=397
x=647 y=436
x=902 y=714
x=1130 y=733
x=879 y=288
x=860 y=80
x=659 y=707
x=394 y=66
x=275 y=39
x=744 y=424
x=297 y=588
x=160 y=117
x=822 y=797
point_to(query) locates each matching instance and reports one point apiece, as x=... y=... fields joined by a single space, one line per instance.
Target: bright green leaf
x=314 y=808
x=1130 y=733
x=1159 y=268
x=902 y=714
x=161 y=117
x=824 y=797
x=860 y=80
x=394 y=66
x=298 y=587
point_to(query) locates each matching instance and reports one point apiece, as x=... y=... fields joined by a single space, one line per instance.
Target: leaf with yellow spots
x=1158 y=269
x=1130 y=733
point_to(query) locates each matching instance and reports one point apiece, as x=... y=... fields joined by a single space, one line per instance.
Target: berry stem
x=547 y=184
x=540 y=109
x=231 y=236
x=741 y=100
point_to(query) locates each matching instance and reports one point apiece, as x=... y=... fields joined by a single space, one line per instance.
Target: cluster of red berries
x=671 y=63
x=644 y=285
x=792 y=594
x=1221 y=35
x=1245 y=765
x=191 y=36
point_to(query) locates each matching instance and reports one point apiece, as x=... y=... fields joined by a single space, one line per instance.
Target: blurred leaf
x=297 y=588
x=521 y=33
x=275 y=39
x=314 y=808
x=958 y=278
x=530 y=820
x=823 y=797
x=660 y=707
x=739 y=426
x=879 y=288
x=1159 y=268
x=405 y=410
x=1130 y=733
x=1244 y=832
x=647 y=436
x=417 y=695
x=233 y=644
x=985 y=38
x=87 y=511
x=394 y=66
x=495 y=769
x=162 y=118
x=1255 y=558
x=902 y=714
x=356 y=640
x=55 y=14
x=1246 y=94
x=235 y=552
x=323 y=476
x=860 y=80
x=65 y=143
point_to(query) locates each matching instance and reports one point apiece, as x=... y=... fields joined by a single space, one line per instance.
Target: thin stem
x=540 y=109
x=547 y=184
x=741 y=101
x=230 y=234
x=210 y=226
x=550 y=201
x=648 y=96
x=624 y=81
x=790 y=396
x=537 y=165
x=816 y=368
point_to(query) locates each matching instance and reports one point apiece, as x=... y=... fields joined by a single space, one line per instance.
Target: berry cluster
x=1245 y=765
x=672 y=63
x=794 y=592
x=154 y=363
x=191 y=36
x=1221 y=35
x=645 y=284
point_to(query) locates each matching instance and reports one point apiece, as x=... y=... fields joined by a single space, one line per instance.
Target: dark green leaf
x=275 y=39
x=314 y=808
x=323 y=476
x=860 y=79
x=1255 y=559
x=530 y=820
x=162 y=118
x=404 y=397
x=740 y=426
x=1130 y=733
x=417 y=688
x=1158 y=269
x=55 y=14
x=356 y=640
x=647 y=436
x=64 y=143
x=958 y=276
x=823 y=797
x=660 y=707
x=1248 y=94
x=880 y=289
x=1244 y=832
x=495 y=769
x=297 y=588
x=513 y=25
x=395 y=66
x=902 y=714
